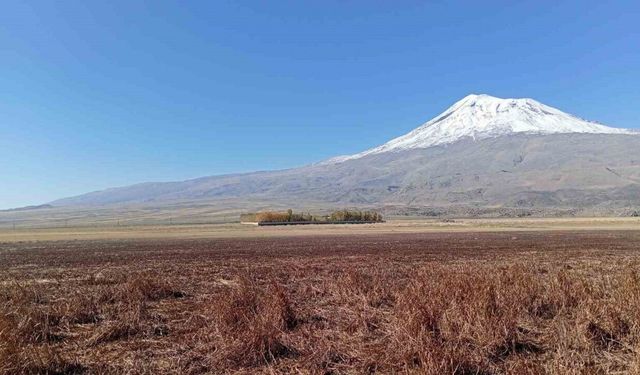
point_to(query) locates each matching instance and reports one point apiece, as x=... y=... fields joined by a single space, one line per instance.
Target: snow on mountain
x=485 y=116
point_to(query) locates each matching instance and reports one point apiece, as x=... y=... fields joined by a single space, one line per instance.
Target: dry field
x=531 y=302
x=84 y=231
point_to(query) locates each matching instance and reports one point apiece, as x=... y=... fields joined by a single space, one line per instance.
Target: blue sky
x=108 y=93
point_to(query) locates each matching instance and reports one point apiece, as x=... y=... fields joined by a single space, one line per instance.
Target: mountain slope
x=483 y=152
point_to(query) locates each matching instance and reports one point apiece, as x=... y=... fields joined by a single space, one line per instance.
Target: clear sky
x=96 y=94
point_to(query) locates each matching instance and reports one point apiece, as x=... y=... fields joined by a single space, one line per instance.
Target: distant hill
x=28 y=208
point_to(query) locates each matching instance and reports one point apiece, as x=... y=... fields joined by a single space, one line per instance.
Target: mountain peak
x=488 y=101
x=478 y=96
x=481 y=116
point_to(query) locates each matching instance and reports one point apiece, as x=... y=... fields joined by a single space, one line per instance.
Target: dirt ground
x=453 y=302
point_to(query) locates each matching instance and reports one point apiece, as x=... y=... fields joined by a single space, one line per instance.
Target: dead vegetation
x=36 y=321
x=439 y=304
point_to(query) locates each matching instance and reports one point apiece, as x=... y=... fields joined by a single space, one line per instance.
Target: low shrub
x=248 y=324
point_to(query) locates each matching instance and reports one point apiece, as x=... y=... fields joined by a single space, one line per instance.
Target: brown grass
x=439 y=304
x=34 y=326
x=250 y=323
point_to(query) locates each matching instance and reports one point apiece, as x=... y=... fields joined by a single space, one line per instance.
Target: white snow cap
x=485 y=116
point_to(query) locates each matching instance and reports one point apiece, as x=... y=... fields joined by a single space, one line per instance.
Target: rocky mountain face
x=481 y=152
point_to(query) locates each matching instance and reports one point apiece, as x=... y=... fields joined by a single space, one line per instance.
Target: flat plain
x=356 y=299
x=236 y=230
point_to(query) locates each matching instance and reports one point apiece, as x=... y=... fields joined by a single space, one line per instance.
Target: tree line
x=290 y=216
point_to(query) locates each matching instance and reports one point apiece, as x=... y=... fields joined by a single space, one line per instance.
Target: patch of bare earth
x=448 y=303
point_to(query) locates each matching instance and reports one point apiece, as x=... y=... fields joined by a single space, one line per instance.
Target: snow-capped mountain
x=484 y=116
x=483 y=152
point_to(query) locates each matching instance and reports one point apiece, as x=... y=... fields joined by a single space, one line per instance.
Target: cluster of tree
x=289 y=216
x=282 y=217
x=347 y=215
